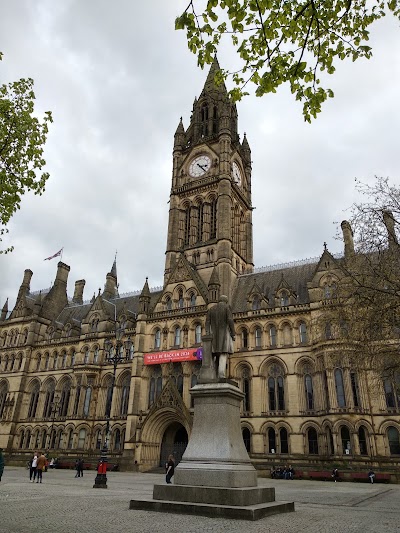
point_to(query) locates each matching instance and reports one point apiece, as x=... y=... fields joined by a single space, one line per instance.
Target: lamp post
x=55 y=406
x=116 y=351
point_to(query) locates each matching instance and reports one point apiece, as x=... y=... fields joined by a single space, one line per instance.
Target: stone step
x=249 y=512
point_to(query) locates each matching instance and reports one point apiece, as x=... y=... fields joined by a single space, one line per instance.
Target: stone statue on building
x=221 y=329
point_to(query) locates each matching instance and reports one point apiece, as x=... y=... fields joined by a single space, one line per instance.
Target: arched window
x=302 y=333
x=394 y=440
x=47 y=362
x=44 y=439
x=125 y=396
x=70 y=440
x=339 y=385
x=98 y=440
x=94 y=325
x=245 y=338
x=73 y=358
x=181 y=302
x=155 y=385
x=64 y=400
x=284 y=299
x=312 y=437
x=246 y=438
x=86 y=405
x=33 y=402
x=168 y=303
x=329 y=437
x=345 y=438
x=257 y=337
x=49 y=397
x=177 y=375
x=256 y=303
x=271 y=441
x=21 y=439
x=192 y=300
x=276 y=393
x=392 y=392
x=362 y=441
x=3 y=396
x=272 y=336
x=355 y=389
x=38 y=361
x=77 y=399
x=28 y=439
x=86 y=354
x=55 y=361
x=204 y=120
x=197 y=334
x=117 y=440
x=308 y=384
x=246 y=390
x=177 y=336
x=96 y=355
x=64 y=359
x=157 y=339
x=283 y=440
x=81 y=439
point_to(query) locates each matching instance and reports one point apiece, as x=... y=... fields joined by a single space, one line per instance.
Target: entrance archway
x=174 y=441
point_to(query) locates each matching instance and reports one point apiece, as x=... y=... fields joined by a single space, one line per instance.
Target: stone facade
x=304 y=403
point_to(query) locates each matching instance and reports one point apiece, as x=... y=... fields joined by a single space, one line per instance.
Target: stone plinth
x=215 y=477
x=216 y=455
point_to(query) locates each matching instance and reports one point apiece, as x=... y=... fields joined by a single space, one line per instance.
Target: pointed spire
x=210 y=84
x=4 y=310
x=245 y=143
x=145 y=291
x=180 y=129
x=114 y=267
x=214 y=279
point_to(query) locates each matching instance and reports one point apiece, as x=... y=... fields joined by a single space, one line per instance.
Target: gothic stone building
x=304 y=403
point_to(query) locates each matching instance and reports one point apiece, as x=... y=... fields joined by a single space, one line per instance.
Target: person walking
x=33 y=467
x=1 y=463
x=371 y=475
x=335 y=474
x=80 y=467
x=170 y=467
x=41 y=465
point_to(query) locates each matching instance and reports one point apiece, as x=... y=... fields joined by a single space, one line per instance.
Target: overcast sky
x=117 y=77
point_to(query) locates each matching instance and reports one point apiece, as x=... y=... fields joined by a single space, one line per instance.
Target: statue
x=220 y=327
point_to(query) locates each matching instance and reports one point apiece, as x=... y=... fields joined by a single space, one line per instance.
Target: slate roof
x=295 y=276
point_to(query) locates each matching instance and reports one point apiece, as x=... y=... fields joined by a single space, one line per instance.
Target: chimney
x=62 y=272
x=389 y=221
x=348 y=239
x=78 y=294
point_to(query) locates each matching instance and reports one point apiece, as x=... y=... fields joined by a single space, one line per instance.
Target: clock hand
x=202 y=167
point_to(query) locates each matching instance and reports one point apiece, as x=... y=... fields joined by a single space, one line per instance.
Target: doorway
x=174 y=443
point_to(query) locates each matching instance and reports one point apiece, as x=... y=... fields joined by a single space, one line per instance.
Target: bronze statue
x=220 y=326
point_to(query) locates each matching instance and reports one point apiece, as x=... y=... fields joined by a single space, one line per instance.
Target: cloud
x=117 y=78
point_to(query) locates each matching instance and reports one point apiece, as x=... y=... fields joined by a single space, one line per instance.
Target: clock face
x=236 y=174
x=199 y=166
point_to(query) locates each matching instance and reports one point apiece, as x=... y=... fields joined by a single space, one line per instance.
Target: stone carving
x=220 y=334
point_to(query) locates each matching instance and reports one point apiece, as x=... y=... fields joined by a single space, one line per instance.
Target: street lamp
x=55 y=406
x=116 y=351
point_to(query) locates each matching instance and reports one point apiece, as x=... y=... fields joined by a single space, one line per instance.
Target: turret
x=4 y=311
x=179 y=137
x=214 y=286
x=144 y=298
x=56 y=299
x=111 y=286
x=348 y=239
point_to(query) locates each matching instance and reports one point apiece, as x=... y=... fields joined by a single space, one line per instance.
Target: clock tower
x=210 y=217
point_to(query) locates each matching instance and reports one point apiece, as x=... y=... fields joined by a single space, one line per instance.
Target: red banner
x=186 y=354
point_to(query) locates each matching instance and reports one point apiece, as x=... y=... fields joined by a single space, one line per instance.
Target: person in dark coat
x=1 y=463
x=170 y=467
x=335 y=474
x=220 y=325
x=79 y=467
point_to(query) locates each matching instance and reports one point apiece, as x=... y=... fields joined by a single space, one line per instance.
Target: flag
x=55 y=255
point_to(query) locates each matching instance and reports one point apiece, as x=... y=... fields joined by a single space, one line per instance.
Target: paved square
x=65 y=504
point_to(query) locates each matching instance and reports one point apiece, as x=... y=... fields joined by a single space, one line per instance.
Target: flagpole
x=62 y=249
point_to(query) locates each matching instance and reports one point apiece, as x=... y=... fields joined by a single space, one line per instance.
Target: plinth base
x=249 y=512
